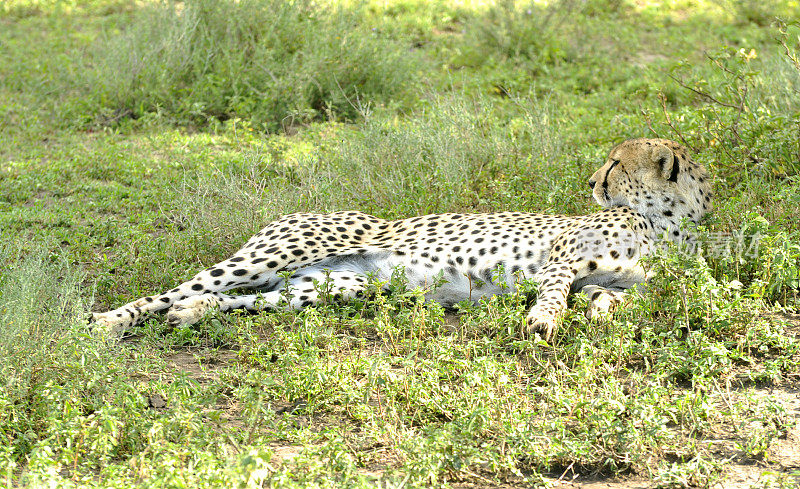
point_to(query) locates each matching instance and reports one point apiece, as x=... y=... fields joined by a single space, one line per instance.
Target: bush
x=272 y=62
x=746 y=117
x=521 y=33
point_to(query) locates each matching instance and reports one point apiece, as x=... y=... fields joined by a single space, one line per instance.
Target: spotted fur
x=647 y=188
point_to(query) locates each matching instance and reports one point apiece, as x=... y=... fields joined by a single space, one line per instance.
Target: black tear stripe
x=605 y=179
x=673 y=177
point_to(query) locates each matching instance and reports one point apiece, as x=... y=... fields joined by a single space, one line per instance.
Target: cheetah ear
x=667 y=163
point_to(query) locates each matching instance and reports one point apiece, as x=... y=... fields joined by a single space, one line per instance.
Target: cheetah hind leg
x=602 y=301
x=302 y=293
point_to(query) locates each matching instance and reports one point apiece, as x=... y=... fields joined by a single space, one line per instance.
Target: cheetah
x=650 y=189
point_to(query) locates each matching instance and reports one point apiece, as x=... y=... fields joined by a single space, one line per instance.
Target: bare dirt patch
x=201 y=366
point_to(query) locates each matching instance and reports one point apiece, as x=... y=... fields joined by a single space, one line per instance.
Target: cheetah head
x=655 y=177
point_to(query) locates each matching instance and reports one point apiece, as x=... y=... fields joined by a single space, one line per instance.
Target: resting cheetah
x=646 y=187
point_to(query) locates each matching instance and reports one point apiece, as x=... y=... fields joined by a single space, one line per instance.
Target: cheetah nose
x=591 y=184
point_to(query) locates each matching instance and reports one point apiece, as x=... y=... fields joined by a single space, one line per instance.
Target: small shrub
x=520 y=33
x=275 y=63
x=745 y=117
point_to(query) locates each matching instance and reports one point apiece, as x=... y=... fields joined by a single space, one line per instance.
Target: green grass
x=143 y=141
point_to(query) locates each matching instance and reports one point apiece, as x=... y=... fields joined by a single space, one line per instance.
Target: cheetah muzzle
x=647 y=188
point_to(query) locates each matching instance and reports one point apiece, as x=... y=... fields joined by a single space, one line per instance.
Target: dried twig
x=789 y=54
x=648 y=121
x=703 y=94
x=663 y=99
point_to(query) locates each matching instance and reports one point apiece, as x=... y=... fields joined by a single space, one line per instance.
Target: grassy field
x=142 y=141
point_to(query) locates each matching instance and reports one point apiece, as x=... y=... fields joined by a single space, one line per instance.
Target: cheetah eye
x=613 y=164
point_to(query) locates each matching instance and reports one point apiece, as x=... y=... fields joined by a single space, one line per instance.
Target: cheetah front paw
x=190 y=310
x=542 y=322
